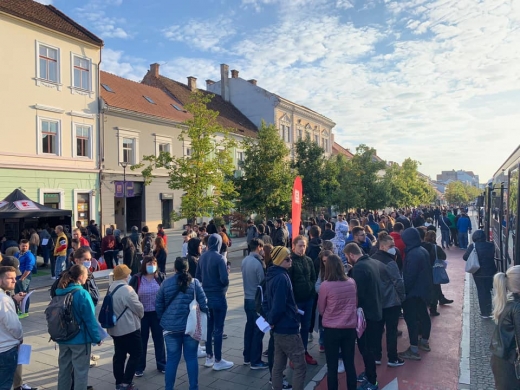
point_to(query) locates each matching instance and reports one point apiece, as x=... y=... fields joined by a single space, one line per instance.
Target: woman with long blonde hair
x=506 y=314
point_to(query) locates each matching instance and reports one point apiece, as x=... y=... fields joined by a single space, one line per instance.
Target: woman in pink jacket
x=337 y=304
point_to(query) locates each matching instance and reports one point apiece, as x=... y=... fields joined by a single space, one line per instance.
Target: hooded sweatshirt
x=193 y=255
x=417 y=271
x=303 y=277
x=485 y=252
x=212 y=269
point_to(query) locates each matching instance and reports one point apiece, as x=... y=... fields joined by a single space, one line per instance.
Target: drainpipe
x=101 y=132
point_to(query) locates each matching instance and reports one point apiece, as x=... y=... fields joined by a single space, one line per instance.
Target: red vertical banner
x=297 y=195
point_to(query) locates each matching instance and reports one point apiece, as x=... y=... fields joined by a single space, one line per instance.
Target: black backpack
x=107 y=319
x=61 y=323
x=260 y=298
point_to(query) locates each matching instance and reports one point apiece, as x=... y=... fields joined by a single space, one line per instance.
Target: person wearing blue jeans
x=177 y=344
x=27 y=263
x=60 y=251
x=463 y=226
x=213 y=273
x=303 y=278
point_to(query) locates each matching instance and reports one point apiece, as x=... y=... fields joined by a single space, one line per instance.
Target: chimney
x=252 y=81
x=224 y=82
x=192 y=83
x=234 y=74
x=154 y=68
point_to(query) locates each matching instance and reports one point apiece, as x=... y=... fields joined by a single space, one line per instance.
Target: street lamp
x=124 y=164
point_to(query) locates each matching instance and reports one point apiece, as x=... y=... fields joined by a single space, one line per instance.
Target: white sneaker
x=209 y=362
x=223 y=365
x=341 y=366
x=53 y=277
x=201 y=352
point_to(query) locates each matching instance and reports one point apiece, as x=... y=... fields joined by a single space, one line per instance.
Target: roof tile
x=129 y=95
x=48 y=16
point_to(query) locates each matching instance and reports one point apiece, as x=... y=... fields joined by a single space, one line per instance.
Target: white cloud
x=44 y=1
x=206 y=35
x=94 y=12
x=114 y=61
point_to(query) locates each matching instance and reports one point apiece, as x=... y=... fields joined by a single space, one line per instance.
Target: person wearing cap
x=127 y=331
x=283 y=317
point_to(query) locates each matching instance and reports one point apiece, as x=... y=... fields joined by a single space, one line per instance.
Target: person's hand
x=19 y=297
x=99 y=344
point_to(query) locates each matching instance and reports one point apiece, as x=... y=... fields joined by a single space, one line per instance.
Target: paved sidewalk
x=43 y=370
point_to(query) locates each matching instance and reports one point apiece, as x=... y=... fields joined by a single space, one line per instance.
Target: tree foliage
x=405 y=186
x=205 y=174
x=319 y=174
x=458 y=192
x=265 y=186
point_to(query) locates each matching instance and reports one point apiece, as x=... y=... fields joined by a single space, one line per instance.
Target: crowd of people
x=316 y=281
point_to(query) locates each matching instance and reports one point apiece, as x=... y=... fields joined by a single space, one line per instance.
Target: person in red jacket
x=396 y=235
x=76 y=233
x=162 y=234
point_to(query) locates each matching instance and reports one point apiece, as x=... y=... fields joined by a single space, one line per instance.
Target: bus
x=500 y=213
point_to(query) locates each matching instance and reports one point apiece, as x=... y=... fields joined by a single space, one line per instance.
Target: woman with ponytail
x=173 y=307
x=506 y=336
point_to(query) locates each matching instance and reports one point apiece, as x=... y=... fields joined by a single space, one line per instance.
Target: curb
x=317 y=378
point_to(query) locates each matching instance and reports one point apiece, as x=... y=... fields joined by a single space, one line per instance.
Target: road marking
x=464 y=370
x=394 y=385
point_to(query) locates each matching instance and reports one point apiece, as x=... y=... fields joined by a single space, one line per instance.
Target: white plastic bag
x=197 y=324
x=472 y=264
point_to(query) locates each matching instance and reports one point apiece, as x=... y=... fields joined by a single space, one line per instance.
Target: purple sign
x=119 y=192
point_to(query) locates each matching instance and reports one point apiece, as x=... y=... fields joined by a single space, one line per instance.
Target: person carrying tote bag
x=173 y=303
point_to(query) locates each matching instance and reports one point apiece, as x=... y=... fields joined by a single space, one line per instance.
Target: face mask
x=150 y=269
x=392 y=251
x=87 y=264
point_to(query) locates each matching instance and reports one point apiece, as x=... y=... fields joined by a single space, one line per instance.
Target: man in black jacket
x=328 y=234
x=365 y=272
x=279 y=235
x=417 y=275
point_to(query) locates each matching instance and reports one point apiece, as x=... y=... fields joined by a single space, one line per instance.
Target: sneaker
x=409 y=354
x=94 y=357
x=139 y=374
x=265 y=353
x=53 y=277
x=161 y=371
x=395 y=363
x=209 y=362
x=322 y=348
x=446 y=301
x=224 y=336
x=222 y=365
x=201 y=353
x=424 y=346
x=311 y=337
x=285 y=384
x=310 y=360
x=434 y=313
x=93 y=363
x=259 y=366
x=485 y=317
x=341 y=367
x=378 y=362
x=362 y=377
x=88 y=388
x=247 y=363
x=368 y=386
x=131 y=386
x=25 y=386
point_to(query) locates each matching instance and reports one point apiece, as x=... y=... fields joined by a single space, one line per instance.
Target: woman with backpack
x=126 y=333
x=75 y=353
x=173 y=307
x=146 y=284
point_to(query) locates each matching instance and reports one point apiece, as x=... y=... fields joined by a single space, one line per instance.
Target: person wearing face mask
x=146 y=284
x=127 y=331
x=253 y=273
x=392 y=288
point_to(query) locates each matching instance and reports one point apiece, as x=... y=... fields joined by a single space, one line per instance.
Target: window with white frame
x=81 y=73
x=48 y=63
x=240 y=159
x=162 y=145
x=128 y=146
x=83 y=137
x=49 y=130
x=187 y=149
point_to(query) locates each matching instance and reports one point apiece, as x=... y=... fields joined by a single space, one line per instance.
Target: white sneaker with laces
x=209 y=362
x=201 y=352
x=223 y=365
x=341 y=367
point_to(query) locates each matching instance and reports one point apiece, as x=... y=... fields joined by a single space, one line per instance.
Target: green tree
x=360 y=181
x=319 y=174
x=405 y=186
x=456 y=193
x=205 y=174
x=345 y=196
x=265 y=186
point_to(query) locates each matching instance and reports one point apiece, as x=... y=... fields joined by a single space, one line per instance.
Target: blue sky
x=435 y=80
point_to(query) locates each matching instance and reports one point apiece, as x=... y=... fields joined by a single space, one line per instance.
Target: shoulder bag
x=197 y=323
x=440 y=276
x=473 y=264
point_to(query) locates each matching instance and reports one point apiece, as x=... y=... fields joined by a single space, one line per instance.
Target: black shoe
x=445 y=301
x=399 y=333
x=434 y=313
x=224 y=336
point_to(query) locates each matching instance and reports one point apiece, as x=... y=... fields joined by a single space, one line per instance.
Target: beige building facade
x=49 y=108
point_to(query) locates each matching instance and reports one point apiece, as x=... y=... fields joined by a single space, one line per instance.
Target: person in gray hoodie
x=213 y=274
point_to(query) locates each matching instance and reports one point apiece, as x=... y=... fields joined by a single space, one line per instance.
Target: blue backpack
x=107 y=318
